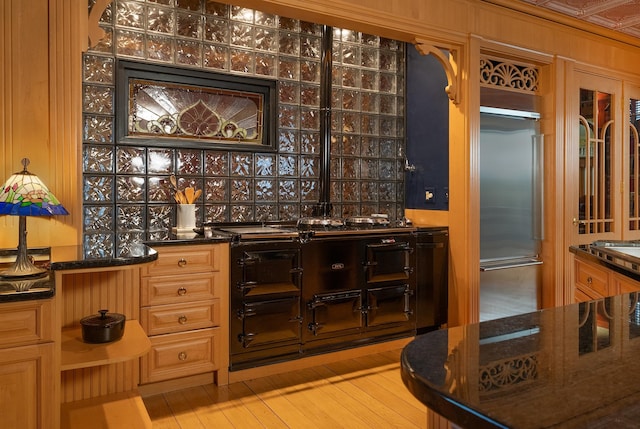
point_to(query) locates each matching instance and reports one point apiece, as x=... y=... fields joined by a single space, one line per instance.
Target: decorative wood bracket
x=95 y=32
x=449 y=63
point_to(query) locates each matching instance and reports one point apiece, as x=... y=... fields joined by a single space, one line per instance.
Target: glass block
x=369 y=168
x=388 y=104
x=189 y=162
x=241 y=35
x=288 y=190
x=310 y=142
x=97 y=69
x=98 y=218
x=160 y=19
x=310 y=47
x=158 y=235
x=96 y=246
x=289 y=212
x=369 y=102
x=350 y=122
x=129 y=43
x=350 y=210
x=97 y=159
x=216 y=190
x=350 y=54
x=160 y=161
x=336 y=98
x=387 y=169
x=289 y=43
x=310 y=95
x=288 y=68
x=310 y=28
x=98 y=129
x=288 y=24
x=387 y=83
x=216 y=9
x=387 y=148
x=130 y=217
x=130 y=160
x=266 y=212
x=130 y=14
x=97 y=189
x=350 y=77
x=242 y=14
x=216 y=30
x=289 y=116
x=369 y=191
x=216 y=213
x=265 y=190
x=350 y=191
x=160 y=48
x=370 y=147
x=309 y=119
x=350 y=168
x=266 y=64
x=242 y=213
x=348 y=35
x=336 y=75
x=350 y=100
x=309 y=166
x=370 y=124
x=107 y=15
x=369 y=58
x=307 y=210
x=266 y=19
x=289 y=92
x=129 y=242
x=104 y=45
x=309 y=190
x=194 y=5
x=351 y=145
x=388 y=126
x=287 y=165
x=215 y=57
x=98 y=99
x=336 y=121
x=242 y=61
x=159 y=216
x=370 y=40
x=241 y=164
x=188 y=52
x=162 y=2
x=265 y=165
x=336 y=196
x=336 y=144
x=310 y=71
x=189 y=25
x=216 y=163
x=334 y=165
x=130 y=189
x=266 y=39
x=387 y=191
x=159 y=190
x=369 y=80
x=390 y=44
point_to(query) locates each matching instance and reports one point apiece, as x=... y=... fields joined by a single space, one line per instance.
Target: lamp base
x=22 y=267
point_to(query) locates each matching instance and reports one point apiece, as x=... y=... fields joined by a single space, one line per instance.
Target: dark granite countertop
x=575 y=366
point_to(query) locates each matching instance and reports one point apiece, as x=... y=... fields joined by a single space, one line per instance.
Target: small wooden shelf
x=120 y=410
x=78 y=354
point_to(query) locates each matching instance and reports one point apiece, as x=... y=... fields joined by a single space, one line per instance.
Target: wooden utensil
x=188 y=193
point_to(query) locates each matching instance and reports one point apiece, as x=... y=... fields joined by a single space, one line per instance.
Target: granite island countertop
x=566 y=367
x=600 y=253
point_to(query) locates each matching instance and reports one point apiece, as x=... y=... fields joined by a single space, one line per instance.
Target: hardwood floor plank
x=255 y=406
x=182 y=410
x=206 y=408
x=160 y=413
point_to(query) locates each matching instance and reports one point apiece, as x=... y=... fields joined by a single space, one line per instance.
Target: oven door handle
x=391 y=246
x=246 y=339
x=244 y=286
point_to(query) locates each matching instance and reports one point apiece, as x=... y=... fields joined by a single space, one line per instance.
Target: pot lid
x=102 y=319
x=320 y=221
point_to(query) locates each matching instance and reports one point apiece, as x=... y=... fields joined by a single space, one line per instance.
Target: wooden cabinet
x=594 y=281
x=184 y=311
x=27 y=375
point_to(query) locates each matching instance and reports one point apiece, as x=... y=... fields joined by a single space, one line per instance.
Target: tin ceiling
x=618 y=15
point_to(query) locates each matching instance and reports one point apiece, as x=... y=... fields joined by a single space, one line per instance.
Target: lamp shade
x=24 y=194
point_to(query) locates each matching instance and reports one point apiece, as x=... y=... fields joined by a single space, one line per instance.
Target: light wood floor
x=364 y=392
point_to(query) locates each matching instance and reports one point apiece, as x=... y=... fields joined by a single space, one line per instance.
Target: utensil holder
x=186 y=216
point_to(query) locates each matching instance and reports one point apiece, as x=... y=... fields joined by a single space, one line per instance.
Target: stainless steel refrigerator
x=511 y=205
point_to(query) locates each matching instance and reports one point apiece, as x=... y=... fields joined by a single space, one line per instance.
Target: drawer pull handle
x=589 y=280
x=182 y=356
x=182 y=262
x=182 y=291
x=182 y=319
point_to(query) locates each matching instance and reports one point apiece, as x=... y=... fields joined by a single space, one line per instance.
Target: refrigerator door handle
x=504 y=263
x=538 y=187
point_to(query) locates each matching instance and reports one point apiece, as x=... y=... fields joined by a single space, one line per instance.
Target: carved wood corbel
x=95 y=32
x=449 y=63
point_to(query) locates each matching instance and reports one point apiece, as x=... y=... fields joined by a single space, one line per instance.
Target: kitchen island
x=572 y=367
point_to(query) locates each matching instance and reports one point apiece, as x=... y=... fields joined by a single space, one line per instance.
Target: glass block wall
x=126 y=192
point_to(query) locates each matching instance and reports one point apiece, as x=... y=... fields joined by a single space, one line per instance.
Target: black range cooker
x=318 y=285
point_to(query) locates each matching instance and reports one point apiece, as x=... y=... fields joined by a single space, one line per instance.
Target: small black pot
x=102 y=328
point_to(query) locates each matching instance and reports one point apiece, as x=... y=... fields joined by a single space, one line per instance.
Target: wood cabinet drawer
x=165 y=319
x=593 y=278
x=27 y=322
x=175 y=289
x=180 y=355
x=183 y=260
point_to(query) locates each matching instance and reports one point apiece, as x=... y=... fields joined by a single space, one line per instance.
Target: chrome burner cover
x=313 y=223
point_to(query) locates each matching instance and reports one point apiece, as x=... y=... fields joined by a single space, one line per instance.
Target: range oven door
x=390 y=305
x=390 y=259
x=260 y=272
x=268 y=323
x=335 y=313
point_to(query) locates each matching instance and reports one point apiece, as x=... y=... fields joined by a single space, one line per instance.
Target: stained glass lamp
x=24 y=195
